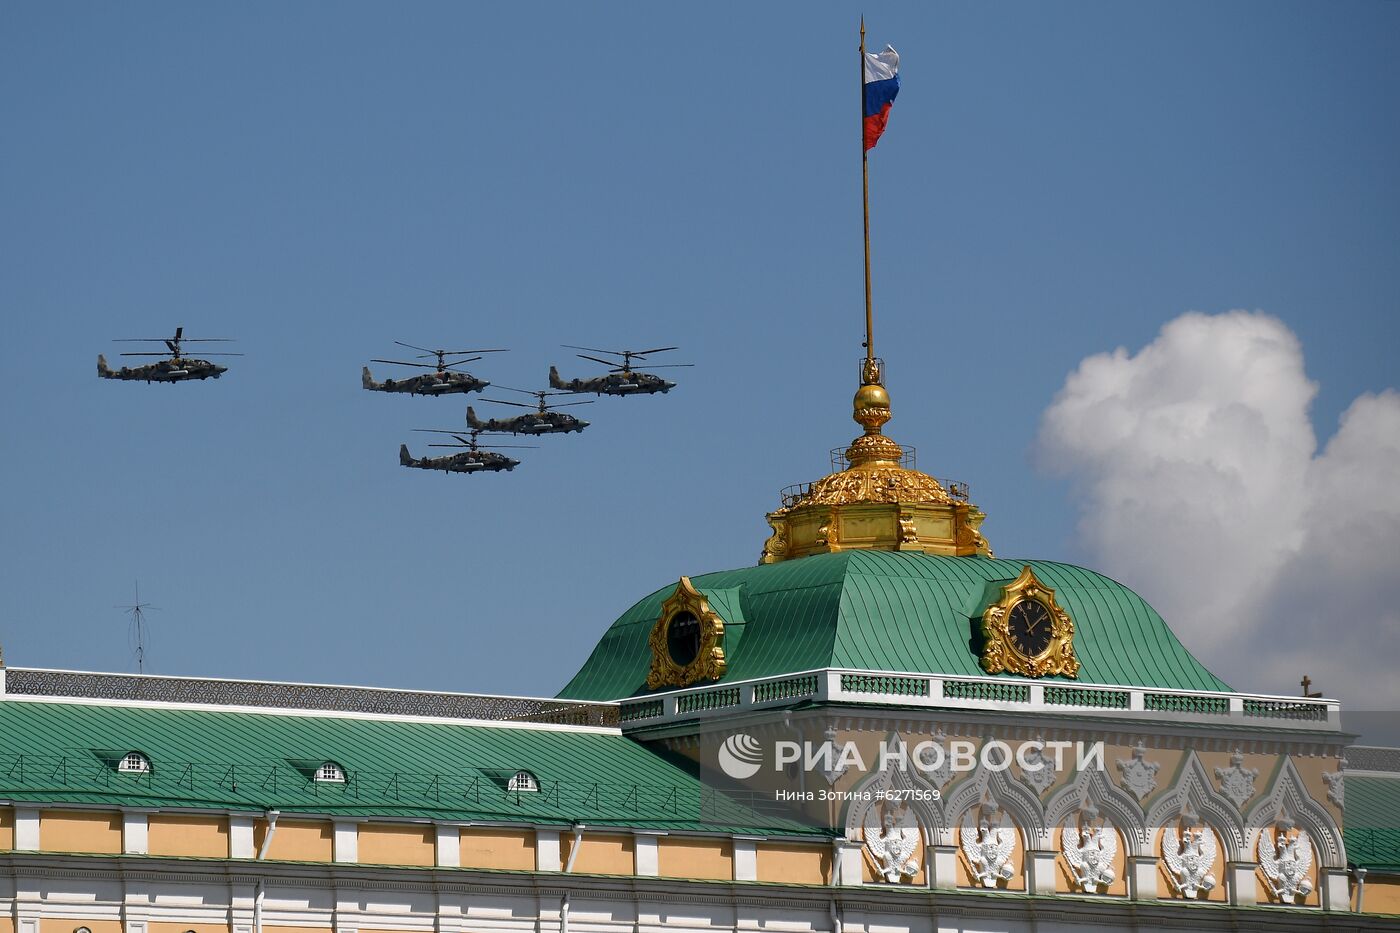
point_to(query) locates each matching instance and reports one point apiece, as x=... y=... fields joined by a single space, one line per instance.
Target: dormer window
x=134 y=763
x=330 y=773
x=522 y=781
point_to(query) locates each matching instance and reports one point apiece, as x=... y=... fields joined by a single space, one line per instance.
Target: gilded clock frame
x=999 y=651
x=709 y=662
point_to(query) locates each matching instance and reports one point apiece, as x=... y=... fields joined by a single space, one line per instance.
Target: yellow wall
x=80 y=831
x=794 y=864
x=59 y=925
x=7 y=925
x=7 y=830
x=290 y=929
x=498 y=848
x=397 y=844
x=164 y=927
x=677 y=857
x=1064 y=875
x=198 y=836
x=601 y=855
x=296 y=840
x=1380 y=895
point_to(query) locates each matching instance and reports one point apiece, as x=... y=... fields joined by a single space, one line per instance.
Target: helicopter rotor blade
x=403 y=363
x=497 y=385
x=590 y=349
x=661 y=366
x=470 y=359
x=567 y=404
x=152 y=353
x=414 y=347
x=657 y=350
x=596 y=360
x=504 y=402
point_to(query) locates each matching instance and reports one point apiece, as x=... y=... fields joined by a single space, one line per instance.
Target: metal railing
x=937 y=691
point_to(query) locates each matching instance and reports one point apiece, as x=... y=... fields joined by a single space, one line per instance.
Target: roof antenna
x=137 y=630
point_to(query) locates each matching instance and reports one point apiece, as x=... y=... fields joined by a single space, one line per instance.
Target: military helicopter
x=176 y=369
x=475 y=459
x=541 y=421
x=444 y=380
x=624 y=379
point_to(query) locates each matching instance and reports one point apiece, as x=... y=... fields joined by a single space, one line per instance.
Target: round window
x=683 y=638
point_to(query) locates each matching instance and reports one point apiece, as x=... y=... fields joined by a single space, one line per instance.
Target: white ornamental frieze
x=893 y=841
x=935 y=768
x=988 y=840
x=1237 y=781
x=1040 y=773
x=1190 y=856
x=1285 y=858
x=1139 y=774
x=1336 y=785
x=1090 y=846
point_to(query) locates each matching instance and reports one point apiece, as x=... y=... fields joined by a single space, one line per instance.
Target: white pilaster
x=943 y=867
x=745 y=859
x=1243 y=890
x=547 y=854
x=133 y=926
x=134 y=832
x=1040 y=872
x=848 y=862
x=26 y=830
x=1336 y=891
x=1142 y=877
x=646 y=859
x=240 y=837
x=449 y=845
x=347 y=842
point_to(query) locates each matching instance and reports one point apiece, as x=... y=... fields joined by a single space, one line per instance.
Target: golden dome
x=877 y=501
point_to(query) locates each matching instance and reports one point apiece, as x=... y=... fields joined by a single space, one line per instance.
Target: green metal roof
x=1372 y=826
x=215 y=759
x=896 y=611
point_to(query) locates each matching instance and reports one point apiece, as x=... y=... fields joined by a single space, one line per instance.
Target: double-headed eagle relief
x=1090 y=845
x=1285 y=857
x=893 y=840
x=988 y=840
x=1190 y=857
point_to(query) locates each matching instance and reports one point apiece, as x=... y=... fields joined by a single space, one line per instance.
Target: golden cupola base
x=876 y=500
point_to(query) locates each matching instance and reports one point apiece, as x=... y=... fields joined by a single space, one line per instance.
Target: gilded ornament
x=999 y=648
x=687 y=607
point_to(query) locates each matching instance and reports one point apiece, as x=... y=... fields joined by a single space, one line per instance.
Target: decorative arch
x=1118 y=805
x=1018 y=800
x=1289 y=794
x=928 y=812
x=1192 y=787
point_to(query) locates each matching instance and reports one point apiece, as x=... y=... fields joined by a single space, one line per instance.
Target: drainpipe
x=835 y=919
x=568 y=867
x=271 y=817
x=1360 y=886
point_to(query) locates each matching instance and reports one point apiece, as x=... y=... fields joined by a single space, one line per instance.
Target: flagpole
x=865 y=208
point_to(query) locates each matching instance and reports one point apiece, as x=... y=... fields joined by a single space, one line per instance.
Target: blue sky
x=320 y=179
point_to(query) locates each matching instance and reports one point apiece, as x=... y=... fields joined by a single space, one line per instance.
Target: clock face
x=1028 y=624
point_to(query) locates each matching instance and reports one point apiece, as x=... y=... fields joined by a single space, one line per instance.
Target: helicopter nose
x=583 y=424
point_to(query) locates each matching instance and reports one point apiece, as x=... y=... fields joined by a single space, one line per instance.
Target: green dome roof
x=894 y=611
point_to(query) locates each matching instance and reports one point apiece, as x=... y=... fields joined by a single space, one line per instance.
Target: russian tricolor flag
x=881 y=86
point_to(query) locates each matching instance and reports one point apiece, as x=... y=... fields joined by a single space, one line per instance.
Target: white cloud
x=1203 y=490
